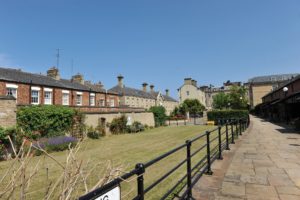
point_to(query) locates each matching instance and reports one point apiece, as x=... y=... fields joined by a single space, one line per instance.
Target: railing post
x=189 y=169
x=208 y=172
x=220 y=143
x=227 y=138
x=240 y=125
x=236 y=128
x=140 y=180
x=232 y=133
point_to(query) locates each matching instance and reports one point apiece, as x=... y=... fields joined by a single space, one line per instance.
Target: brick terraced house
x=51 y=89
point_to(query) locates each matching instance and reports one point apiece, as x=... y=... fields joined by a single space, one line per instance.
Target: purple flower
x=61 y=140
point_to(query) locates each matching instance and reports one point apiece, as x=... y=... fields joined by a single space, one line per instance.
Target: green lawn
x=126 y=150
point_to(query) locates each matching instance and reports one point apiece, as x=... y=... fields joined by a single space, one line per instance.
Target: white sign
x=129 y=122
x=114 y=194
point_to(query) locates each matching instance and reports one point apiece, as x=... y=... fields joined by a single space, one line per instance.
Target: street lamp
x=285 y=90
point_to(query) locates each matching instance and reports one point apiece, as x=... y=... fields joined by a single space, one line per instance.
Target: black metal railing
x=217 y=140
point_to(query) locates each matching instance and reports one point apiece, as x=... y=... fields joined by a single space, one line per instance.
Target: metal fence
x=225 y=133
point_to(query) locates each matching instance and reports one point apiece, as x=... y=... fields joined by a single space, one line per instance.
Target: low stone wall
x=8 y=110
x=95 y=119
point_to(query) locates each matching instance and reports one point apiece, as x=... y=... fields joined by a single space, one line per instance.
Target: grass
x=127 y=150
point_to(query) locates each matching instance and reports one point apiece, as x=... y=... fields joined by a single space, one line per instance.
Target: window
x=187 y=93
x=92 y=99
x=102 y=102
x=112 y=102
x=65 y=97
x=79 y=98
x=11 y=90
x=35 y=96
x=47 y=96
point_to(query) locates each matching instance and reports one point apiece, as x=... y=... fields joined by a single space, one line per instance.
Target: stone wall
x=8 y=110
x=96 y=119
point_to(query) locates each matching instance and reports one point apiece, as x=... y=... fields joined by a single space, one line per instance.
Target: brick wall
x=7 y=111
x=24 y=94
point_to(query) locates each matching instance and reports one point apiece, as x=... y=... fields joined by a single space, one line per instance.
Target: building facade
x=190 y=90
x=261 y=85
x=51 y=89
x=283 y=103
x=143 y=98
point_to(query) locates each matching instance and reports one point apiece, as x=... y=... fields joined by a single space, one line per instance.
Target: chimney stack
x=53 y=72
x=167 y=92
x=188 y=81
x=78 y=78
x=145 y=87
x=151 y=88
x=99 y=84
x=120 y=81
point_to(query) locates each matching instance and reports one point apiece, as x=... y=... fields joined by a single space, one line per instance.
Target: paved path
x=263 y=165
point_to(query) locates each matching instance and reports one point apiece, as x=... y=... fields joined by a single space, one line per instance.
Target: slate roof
x=131 y=92
x=16 y=75
x=272 y=78
x=138 y=93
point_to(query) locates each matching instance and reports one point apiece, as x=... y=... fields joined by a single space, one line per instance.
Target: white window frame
x=48 y=100
x=79 y=103
x=92 y=99
x=65 y=93
x=12 y=87
x=35 y=89
x=112 y=102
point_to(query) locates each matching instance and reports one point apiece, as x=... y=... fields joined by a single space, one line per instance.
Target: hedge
x=215 y=115
x=47 y=120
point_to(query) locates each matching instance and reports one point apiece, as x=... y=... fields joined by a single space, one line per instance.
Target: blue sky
x=160 y=42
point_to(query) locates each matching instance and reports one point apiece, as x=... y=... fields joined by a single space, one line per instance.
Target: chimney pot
x=167 y=92
x=120 y=81
x=145 y=87
x=152 y=88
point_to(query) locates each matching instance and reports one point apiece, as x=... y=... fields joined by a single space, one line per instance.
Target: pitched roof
x=272 y=78
x=138 y=93
x=131 y=92
x=19 y=76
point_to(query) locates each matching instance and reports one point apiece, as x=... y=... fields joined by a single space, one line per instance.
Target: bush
x=135 y=127
x=215 y=115
x=58 y=143
x=47 y=120
x=160 y=116
x=93 y=133
x=118 y=125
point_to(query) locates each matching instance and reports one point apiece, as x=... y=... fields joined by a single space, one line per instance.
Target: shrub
x=47 y=120
x=93 y=133
x=135 y=127
x=118 y=125
x=58 y=143
x=159 y=113
x=215 y=115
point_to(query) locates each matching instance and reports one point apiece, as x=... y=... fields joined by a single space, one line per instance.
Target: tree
x=221 y=101
x=237 y=97
x=159 y=113
x=193 y=106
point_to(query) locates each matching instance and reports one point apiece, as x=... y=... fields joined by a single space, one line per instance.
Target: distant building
x=143 y=98
x=261 y=85
x=190 y=90
x=211 y=91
